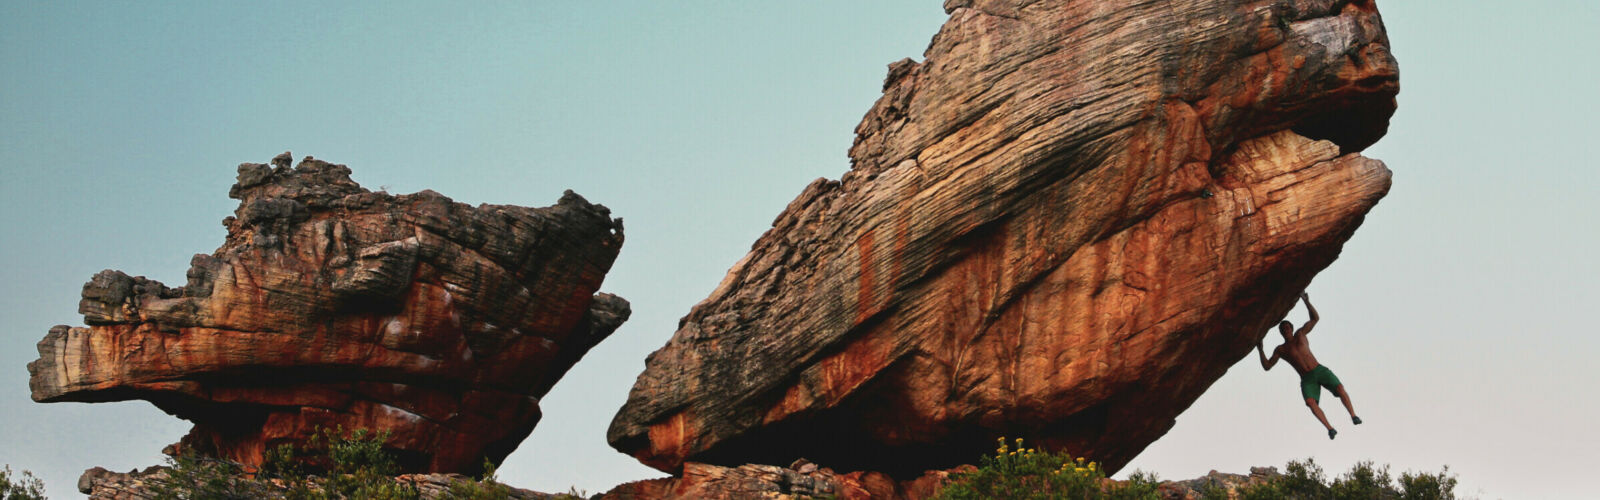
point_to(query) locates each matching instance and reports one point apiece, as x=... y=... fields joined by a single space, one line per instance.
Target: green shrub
x=24 y=487
x=1213 y=491
x=192 y=477
x=360 y=468
x=1425 y=486
x=1364 y=481
x=1263 y=491
x=487 y=487
x=1027 y=473
x=1140 y=485
x=352 y=465
x=1304 y=480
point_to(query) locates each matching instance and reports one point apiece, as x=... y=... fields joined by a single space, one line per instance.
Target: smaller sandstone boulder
x=330 y=306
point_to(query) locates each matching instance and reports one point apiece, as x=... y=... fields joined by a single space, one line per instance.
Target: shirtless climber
x=1313 y=375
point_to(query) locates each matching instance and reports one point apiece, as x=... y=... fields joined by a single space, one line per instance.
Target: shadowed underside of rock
x=1064 y=224
x=330 y=305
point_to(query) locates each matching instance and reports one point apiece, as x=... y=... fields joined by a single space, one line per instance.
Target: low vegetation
x=335 y=465
x=23 y=487
x=1027 y=473
x=1364 y=481
x=339 y=465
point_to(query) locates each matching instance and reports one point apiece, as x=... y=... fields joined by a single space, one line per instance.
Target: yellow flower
x=1019 y=441
x=1093 y=465
x=1080 y=460
x=1078 y=469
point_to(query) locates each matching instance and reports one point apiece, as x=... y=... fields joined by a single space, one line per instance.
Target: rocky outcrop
x=1064 y=224
x=1215 y=484
x=333 y=306
x=804 y=480
x=101 y=484
x=800 y=480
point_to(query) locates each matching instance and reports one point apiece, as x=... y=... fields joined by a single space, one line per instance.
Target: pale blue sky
x=1457 y=315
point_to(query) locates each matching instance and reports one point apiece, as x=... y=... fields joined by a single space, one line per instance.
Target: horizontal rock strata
x=1064 y=224
x=333 y=306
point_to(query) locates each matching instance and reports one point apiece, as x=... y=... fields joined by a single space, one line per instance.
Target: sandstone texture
x=333 y=306
x=805 y=480
x=800 y=480
x=1209 y=485
x=101 y=484
x=1064 y=224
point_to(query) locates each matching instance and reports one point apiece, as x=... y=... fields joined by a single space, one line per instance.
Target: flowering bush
x=1029 y=473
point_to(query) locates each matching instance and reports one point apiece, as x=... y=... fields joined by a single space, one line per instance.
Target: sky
x=1454 y=316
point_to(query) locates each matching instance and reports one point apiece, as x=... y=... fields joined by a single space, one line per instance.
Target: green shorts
x=1319 y=376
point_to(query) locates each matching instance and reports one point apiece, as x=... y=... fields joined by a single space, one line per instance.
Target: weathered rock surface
x=330 y=305
x=800 y=480
x=101 y=484
x=1064 y=224
x=803 y=480
x=1217 y=482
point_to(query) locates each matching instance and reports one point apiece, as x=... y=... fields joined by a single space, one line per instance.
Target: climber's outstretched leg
x=1317 y=410
x=1345 y=396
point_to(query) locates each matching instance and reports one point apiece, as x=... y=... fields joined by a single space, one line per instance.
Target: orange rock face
x=1064 y=224
x=330 y=305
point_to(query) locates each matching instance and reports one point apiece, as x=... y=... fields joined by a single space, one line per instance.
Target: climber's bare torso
x=1297 y=351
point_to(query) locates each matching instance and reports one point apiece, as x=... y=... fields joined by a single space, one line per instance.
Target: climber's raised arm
x=1266 y=364
x=1311 y=309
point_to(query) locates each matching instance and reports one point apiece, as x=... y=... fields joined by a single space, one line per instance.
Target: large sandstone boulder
x=333 y=306
x=1064 y=224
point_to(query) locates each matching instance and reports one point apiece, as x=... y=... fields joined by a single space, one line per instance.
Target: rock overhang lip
x=1353 y=119
x=1354 y=102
